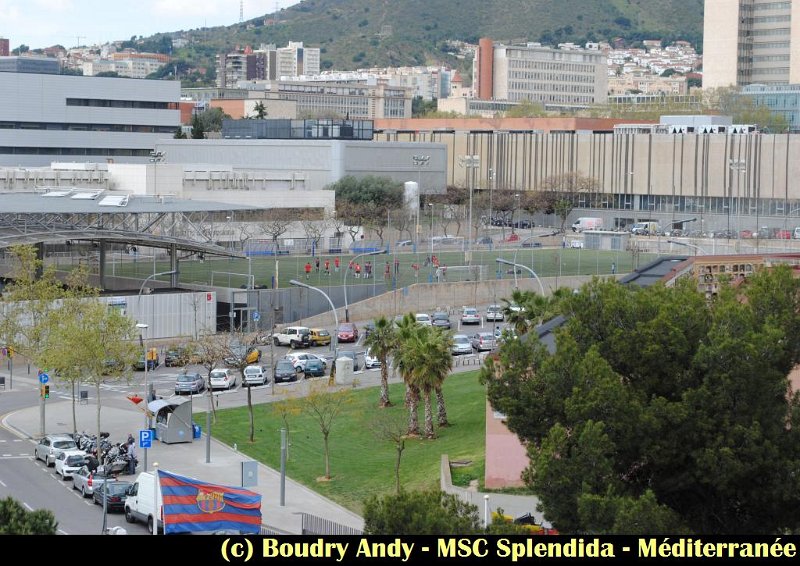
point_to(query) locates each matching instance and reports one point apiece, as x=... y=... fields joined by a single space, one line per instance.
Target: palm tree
x=441 y=363
x=406 y=331
x=530 y=311
x=381 y=342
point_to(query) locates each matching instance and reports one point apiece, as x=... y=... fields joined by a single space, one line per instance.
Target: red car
x=347 y=332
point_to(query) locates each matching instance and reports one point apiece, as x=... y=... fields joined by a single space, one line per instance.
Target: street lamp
x=142 y=328
x=469 y=162
x=344 y=283
x=419 y=161
x=430 y=237
x=526 y=268
x=740 y=166
x=156 y=157
x=149 y=277
x=335 y=337
x=688 y=245
x=520 y=246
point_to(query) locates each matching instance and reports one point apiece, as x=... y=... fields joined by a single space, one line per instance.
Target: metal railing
x=313 y=525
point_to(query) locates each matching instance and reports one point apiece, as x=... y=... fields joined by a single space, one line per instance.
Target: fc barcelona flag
x=191 y=505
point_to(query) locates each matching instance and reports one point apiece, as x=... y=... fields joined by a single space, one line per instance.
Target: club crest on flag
x=210 y=501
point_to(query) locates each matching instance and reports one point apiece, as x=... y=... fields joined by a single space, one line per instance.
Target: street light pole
x=156 y=157
x=688 y=245
x=469 y=162
x=344 y=283
x=430 y=237
x=334 y=337
x=142 y=328
x=419 y=161
x=525 y=267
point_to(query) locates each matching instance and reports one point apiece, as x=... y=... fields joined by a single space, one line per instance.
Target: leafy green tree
x=420 y=513
x=323 y=405
x=381 y=342
x=660 y=410
x=526 y=109
x=92 y=340
x=16 y=520
x=179 y=134
x=198 y=130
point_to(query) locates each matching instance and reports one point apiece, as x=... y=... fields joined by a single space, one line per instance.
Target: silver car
x=495 y=313
x=51 y=446
x=483 y=341
x=190 y=383
x=87 y=481
x=461 y=345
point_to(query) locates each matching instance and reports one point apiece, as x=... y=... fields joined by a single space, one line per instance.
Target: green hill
x=361 y=33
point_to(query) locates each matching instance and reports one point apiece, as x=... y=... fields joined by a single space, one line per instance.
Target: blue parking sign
x=145 y=439
x=256 y=316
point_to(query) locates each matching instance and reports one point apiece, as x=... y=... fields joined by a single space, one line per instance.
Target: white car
x=370 y=361
x=51 y=446
x=223 y=378
x=299 y=359
x=424 y=319
x=495 y=313
x=255 y=375
x=461 y=345
x=470 y=315
x=68 y=462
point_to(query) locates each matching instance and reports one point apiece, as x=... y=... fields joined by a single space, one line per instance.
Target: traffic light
x=46 y=391
x=10 y=352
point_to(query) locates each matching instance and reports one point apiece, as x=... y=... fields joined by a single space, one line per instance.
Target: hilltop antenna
x=241 y=11
x=79 y=37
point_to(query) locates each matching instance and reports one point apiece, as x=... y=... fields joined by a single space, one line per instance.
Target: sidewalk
x=189 y=459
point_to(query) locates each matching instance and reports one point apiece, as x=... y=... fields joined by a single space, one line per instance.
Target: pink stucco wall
x=506 y=457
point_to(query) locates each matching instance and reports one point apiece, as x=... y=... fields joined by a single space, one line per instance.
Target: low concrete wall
x=427 y=297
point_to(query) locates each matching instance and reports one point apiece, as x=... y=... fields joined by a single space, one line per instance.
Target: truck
x=645 y=228
x=587 y=223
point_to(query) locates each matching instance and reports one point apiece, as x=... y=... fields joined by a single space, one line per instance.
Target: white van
x=139 y=502
x=587 y=223
x=797 y=233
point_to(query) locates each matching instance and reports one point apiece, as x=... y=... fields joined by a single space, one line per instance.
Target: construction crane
x=241 y=11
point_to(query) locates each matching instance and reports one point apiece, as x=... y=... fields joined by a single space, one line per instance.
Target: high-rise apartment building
x=751 y=42
x=556 y=78
x=267 y=63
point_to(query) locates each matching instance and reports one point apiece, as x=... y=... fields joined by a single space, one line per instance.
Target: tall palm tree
x=407 y=329
x=417 y=353
x=381 y=342
x=530 y=312
x=441 y=363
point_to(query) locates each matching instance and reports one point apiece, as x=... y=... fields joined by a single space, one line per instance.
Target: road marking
x=3 y=441
x=16 y=440
x=7 y=455
x=63 y=532
x=3 y=483
x=27 y=506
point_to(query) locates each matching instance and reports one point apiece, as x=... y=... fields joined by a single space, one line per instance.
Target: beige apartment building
x=751 y=42
x=557 y=78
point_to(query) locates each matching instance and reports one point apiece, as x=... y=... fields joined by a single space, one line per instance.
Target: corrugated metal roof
x=35 y=203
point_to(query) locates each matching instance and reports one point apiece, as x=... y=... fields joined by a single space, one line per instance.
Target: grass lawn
x=361 y=463
x=546 y=262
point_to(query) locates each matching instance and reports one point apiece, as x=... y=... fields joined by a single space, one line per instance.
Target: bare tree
x=314 y=227
x=392 y=426
x=209 y=352
x=403 y=222
x=275 y=224
x=559 y=193
x=288 y=407
x=239 y=352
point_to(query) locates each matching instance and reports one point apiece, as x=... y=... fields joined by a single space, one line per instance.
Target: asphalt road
x=36 y=486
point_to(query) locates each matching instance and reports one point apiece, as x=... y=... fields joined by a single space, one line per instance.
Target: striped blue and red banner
x=192 y=505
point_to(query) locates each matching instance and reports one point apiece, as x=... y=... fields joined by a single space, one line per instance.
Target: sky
x=42 y=23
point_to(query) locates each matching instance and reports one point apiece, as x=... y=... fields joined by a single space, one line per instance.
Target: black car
x=114 y=492
x=284 y=371
x=440 y=320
